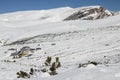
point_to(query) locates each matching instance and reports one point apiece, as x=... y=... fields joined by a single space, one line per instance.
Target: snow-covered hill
x=33 y=23
x=75 y=42
x=43 y=16
x=54 y=15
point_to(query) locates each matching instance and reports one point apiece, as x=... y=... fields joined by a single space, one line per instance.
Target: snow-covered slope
x=38 y=16
x=52 y=15
x=20 y=31
x=74 y=42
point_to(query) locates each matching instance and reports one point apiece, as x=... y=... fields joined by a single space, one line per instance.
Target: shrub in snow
x=22 y=74
x=47 y=64
x=8 y=61
x=83 y=65
x=57 y=59
x=58 y=64
x=31 y=71
x=4 y=60
x=89 y=62
x=44 y=70
x=14 y=61
x=48 y=61
x=53 y=69
x=94 y=63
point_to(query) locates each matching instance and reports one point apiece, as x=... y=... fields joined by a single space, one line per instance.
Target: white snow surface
x=80 y=41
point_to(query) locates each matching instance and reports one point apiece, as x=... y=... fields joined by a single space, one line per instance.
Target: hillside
x=87 y=49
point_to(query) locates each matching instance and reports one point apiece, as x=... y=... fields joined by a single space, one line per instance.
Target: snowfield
x=75 y=42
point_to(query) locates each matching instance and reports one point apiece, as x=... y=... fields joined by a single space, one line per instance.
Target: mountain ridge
x=50 y=15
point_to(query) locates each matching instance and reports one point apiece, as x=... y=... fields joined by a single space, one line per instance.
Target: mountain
x=27 y=22
x=58 y=14
x=83 y=45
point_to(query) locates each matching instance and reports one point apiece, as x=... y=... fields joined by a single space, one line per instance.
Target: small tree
x=31 y=71
x=57 y=59
x=53 y=69
x=48 y=61
x=58 y=64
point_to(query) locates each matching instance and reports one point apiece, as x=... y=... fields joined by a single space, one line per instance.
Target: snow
x=45 y=75
x=75 y=42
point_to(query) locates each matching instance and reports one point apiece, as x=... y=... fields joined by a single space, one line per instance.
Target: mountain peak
x=90 y=13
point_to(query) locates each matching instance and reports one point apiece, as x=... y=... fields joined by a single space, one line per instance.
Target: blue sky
x=22 y=5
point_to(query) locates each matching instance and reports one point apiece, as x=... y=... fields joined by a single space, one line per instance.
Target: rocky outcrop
x=90 y=14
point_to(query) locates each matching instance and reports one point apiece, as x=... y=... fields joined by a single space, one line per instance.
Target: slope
x=75 y=42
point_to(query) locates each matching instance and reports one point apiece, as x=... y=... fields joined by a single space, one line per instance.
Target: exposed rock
x=90 y=14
